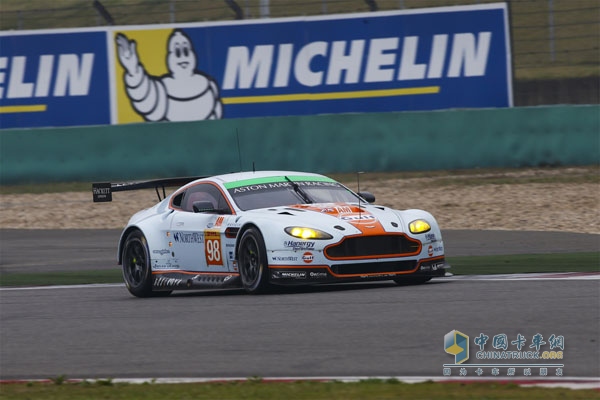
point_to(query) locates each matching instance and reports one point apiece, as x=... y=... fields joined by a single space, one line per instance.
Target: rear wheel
x=411 y=280
x=137 y=272
x=252 y=261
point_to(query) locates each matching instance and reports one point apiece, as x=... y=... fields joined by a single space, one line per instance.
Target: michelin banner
x=426 y=59
x=54 y=79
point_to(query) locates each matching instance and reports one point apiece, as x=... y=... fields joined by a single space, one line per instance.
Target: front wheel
x=252 y=259
x=137 y=272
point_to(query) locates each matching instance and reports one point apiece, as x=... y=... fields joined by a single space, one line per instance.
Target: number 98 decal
x=212 y=248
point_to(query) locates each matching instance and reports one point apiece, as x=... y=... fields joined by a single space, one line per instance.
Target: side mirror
x=368 y=196
x=203 y=206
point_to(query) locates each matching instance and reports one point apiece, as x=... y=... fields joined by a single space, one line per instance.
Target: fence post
x=551 y=28
x=265 y=11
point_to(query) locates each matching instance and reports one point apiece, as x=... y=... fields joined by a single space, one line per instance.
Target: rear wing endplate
x=103 y=191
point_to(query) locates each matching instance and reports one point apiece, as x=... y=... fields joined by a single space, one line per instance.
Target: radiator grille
x=373 y=246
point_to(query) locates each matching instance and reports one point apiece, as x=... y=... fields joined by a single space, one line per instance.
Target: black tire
x=252 y=262
x=411 y=280
x=137 y=271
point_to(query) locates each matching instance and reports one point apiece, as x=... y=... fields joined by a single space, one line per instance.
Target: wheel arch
x=122 y=240
x=243 y=229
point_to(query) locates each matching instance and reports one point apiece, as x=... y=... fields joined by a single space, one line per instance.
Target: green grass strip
x=60 y=278
x=259 y=389
x=511 y=264
x=525 y=263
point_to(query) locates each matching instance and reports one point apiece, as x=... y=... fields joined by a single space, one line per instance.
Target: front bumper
x=376 y=270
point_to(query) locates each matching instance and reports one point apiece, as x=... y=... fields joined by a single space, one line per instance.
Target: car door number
x=212 y=248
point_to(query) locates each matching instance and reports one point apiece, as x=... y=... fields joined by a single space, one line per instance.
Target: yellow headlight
x=307 y=233
x=419 y=226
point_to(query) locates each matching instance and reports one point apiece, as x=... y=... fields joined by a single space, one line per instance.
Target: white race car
x=258 y=229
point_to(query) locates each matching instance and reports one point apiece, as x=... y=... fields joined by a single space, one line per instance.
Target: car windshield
x=276 y=193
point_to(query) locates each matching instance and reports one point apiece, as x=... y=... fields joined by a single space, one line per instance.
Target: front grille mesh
x=373 y=246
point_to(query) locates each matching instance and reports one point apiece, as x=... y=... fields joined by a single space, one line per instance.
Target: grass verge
x=526 y=263
x=482 y=265
x=258 y=389
x=60 y=278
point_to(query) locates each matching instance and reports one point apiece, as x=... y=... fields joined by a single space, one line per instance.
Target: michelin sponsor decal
x=422 y=59
x=288 y=274
x=299 y=275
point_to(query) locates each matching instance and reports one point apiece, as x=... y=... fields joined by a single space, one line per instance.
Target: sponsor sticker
x=188 y=237
x=308 y=257
x=286 y=258
x=212 y=248
x=299 y=244
x=430 y=237
x=317 y=275
x=288 y=274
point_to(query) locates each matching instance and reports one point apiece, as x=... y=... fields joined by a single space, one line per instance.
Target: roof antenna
x=358 y=190
x=237 y=135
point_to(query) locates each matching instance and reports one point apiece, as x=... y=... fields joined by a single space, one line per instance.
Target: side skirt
x=181 y=280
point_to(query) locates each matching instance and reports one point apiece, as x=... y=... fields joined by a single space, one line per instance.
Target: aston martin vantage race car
x=258 y=229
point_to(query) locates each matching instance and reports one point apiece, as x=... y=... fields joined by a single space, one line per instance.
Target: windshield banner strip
x=276 y=179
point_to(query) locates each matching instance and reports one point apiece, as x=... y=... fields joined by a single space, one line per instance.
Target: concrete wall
x=517 y=137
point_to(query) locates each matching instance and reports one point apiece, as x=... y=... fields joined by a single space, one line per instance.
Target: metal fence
x=551 y=39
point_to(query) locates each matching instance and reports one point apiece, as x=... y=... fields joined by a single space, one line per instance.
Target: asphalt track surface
x=374 y=329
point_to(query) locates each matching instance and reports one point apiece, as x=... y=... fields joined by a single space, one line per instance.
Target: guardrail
x=515 y=137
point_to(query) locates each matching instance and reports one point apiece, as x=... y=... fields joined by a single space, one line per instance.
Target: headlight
x=419 y=226
x=306 y=233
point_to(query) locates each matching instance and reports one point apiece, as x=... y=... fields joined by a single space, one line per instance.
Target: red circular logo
x=307 y=257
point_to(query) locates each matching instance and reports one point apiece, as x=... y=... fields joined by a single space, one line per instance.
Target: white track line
x=553 y=276
x=87 y=286
x=563 y=276
x=570 y=383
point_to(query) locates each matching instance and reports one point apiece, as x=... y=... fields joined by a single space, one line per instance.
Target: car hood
x=353 y=219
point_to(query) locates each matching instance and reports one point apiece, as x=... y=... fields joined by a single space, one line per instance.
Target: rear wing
x=103 y=191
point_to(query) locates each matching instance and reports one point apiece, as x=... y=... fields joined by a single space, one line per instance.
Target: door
x=197 y=237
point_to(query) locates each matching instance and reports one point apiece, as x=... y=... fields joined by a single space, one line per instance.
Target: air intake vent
x=374 y=247
x=374 y=267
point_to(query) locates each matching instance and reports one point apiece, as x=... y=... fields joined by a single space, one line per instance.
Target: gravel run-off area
x=533 y=199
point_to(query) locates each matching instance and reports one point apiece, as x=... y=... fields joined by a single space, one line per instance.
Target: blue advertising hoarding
x=54 y=79
x=423 y=59
x=451 y=58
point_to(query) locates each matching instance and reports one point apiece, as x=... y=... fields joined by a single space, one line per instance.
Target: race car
x=262 y=228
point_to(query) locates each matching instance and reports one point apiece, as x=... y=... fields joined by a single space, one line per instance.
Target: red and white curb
x=569 y=383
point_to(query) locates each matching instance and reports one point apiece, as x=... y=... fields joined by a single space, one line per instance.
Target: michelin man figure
x=184 y=94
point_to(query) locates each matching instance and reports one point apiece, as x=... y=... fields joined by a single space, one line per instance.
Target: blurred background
x=555 y=43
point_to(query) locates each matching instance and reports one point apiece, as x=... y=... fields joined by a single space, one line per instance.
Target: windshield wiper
x=305 y=197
